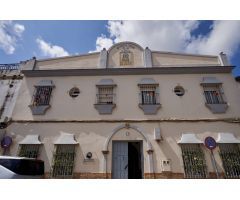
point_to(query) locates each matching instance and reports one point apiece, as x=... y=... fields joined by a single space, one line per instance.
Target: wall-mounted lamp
x=89 y=155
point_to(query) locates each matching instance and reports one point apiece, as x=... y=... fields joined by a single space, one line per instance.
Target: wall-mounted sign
x=6 y=142
x=210 y=143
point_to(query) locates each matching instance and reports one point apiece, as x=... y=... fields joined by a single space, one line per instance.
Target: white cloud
x=176 y=36
x=224 y=36
x=102 y=42
x=51 y=50
x=10 y=34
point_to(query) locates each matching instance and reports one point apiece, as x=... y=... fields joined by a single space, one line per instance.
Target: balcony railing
x=148 y=98
x=14 y=66
x=105 y=99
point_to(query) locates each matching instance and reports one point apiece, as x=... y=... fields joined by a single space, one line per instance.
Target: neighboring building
x=10 y=81
x=128 y=112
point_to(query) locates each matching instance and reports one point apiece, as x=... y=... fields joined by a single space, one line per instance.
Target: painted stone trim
x=103 y=59
x=104 y=108
x=39 y=110
x=217 y=108
x=227 y=120
x=147 y=57
x=150 y=109
x=128 y=71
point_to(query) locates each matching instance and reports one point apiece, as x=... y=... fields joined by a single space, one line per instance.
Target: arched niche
x=147 y=146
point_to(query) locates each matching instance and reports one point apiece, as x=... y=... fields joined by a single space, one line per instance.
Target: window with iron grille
x=148 y=94
x=213 y=95
x=105 y=95
x=194 y=161
x=230 y=155
x=42 y=95
x=63 y=161
x=28 y=150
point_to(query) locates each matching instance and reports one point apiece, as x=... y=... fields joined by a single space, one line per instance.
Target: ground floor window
x=28 y=150
x=194 y=161
x=63 y=161
x=230 y=155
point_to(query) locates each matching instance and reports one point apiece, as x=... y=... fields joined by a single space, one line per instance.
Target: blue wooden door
x=120 y=160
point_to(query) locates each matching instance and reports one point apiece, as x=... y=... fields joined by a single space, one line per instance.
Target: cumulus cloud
x=10 y=34
x=50 y=50
x=176 y=36
x=224 y=36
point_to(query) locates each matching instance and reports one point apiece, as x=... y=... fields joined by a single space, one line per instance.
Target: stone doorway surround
x=148 y=149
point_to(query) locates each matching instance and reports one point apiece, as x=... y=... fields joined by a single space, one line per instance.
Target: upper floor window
x=149 y=96
x=41 y=97
x=214 y=95
x=105 y=97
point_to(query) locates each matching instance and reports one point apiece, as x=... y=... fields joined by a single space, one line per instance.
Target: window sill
x=217 y=108
x=39 y=110
x=105 y=108
x=149 y=109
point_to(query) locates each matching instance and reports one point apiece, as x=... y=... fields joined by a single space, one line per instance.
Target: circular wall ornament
x=179 y=91
x=74 y=92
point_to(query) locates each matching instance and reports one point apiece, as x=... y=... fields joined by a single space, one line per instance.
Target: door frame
x=141 y=153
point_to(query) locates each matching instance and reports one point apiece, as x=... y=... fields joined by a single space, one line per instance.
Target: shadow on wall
x=44 y=156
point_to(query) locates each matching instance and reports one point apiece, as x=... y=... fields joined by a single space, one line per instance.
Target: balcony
x=105 y=103
x=149 y=102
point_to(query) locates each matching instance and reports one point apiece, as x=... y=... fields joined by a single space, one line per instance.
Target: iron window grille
x=63 y=161
x=148 y=95
x=105 y=95
x=230 y=155
x=42 y=95
x=28 y=150
x=194 y=161
x=213 y=95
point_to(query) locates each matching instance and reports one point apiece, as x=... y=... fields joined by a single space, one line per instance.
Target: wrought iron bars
x=63 y=161
x=28 y=150
x=105 y=95
x=148 y=94
x=230 y=155
x=42 y=95
x=213 y=95
x=194 y=161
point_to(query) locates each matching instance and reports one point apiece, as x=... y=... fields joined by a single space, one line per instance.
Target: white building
x=10 y=81
x=128 y=112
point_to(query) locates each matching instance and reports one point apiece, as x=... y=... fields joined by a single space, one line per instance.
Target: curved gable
x=125 y=54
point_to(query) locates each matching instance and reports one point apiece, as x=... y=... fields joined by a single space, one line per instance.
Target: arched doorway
x=125 y=151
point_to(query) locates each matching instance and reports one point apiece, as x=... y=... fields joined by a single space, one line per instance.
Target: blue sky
x=21 y=40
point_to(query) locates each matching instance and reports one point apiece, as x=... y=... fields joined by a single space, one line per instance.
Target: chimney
x=223 y=59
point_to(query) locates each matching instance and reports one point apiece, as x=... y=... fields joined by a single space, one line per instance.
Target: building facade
x=10 y=82
x=128 y=112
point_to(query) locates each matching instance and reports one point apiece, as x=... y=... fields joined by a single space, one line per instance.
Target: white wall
x=190 y=106
x=92 y=137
